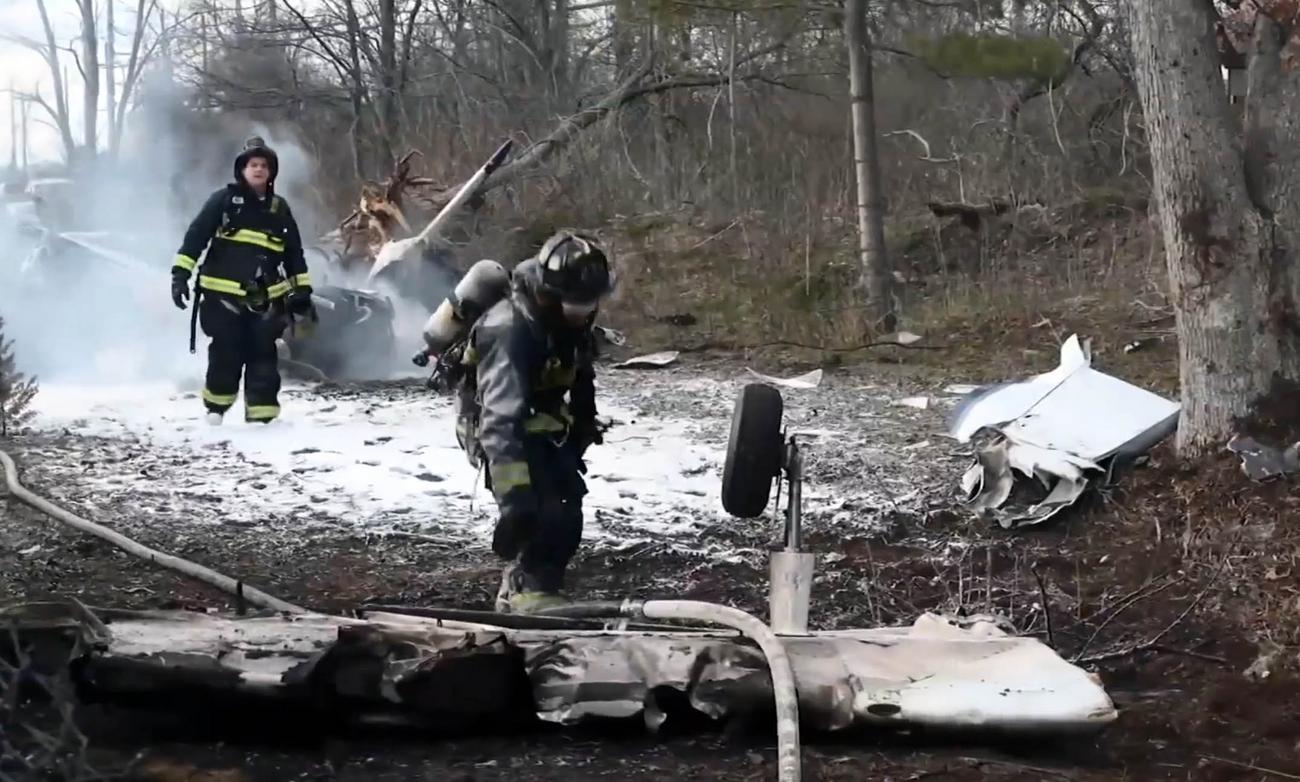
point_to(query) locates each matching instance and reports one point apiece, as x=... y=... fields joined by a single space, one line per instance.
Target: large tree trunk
x=13 y=129
x=1228 y=212
x=388 y=109
x=624 y=36
x=356 y=91
x=110 y=74
x=871 y=199
x=90 y=76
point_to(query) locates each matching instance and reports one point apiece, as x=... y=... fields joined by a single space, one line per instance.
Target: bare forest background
x=710 y=140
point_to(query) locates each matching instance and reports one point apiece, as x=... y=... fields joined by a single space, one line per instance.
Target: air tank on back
x=486 y=283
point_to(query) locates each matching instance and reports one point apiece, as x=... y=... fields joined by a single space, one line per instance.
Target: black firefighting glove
x=516 y=524
x=584 y=435
x=180 y=290
x=299 y=302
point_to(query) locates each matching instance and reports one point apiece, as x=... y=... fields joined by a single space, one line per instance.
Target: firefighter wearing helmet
x=527 y=409
x=251 y=281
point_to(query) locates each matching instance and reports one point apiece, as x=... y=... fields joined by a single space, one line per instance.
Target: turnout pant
x=557 y=481
x=243 y=342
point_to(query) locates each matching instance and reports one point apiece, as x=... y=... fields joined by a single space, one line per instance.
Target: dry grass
x=1003 y=297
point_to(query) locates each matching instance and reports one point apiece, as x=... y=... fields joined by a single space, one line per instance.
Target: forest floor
x=1178 y=586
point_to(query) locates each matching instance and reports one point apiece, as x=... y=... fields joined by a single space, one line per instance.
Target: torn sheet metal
x=1264 y=462
x=397 y=667
x=612 y=336
x=902 y=338
x=1062 y=428
x=806 y=381
x=650 y=361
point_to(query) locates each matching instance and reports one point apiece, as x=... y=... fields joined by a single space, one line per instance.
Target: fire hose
x=180 y=565
x=789 y=767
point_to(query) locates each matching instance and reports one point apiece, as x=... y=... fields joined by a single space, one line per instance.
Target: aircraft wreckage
x=650 y=660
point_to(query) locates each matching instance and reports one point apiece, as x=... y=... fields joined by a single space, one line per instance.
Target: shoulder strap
x=227 y=200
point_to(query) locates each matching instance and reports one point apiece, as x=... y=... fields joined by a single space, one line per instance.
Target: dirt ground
x=1179 y=586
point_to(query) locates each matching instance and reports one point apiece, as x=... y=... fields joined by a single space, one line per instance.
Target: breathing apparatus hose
x=789 y=767
x=183 y=566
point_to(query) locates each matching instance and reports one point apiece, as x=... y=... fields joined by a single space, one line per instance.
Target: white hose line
x=183 y=566
x=789 y=767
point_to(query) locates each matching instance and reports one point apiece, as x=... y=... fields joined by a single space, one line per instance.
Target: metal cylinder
x=791 y=591
x=486 y=283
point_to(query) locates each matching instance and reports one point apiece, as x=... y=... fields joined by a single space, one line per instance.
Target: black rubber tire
x=753 y=451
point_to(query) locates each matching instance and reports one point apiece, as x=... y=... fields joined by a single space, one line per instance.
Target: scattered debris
x=1063 y=428
x=1264 y=462
x=902 y=338
x=805 y=381
x=610 y=335
x=961 y=389
x=683 y=319
x=919 y=402
x=476 y=669
x=1269 y=656
x=650 y=361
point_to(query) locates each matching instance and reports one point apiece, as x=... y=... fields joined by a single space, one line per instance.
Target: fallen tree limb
x=1154 y=644
x=183 y=566
x=1250 y=767
x=789 y=343
x=634 y=87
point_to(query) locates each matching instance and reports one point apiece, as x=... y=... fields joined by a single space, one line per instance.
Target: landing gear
x=759 y=453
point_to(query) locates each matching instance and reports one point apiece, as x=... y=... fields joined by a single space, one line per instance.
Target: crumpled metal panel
x=935 y=672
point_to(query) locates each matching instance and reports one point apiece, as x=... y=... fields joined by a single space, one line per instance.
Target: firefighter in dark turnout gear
x=252 y=280
x=528 y=409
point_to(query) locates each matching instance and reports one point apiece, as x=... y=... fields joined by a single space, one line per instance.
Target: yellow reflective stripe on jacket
x=556 y=375
x=218 y=399
x=301 y=279
x=509 y=475
x=218 y=285
x=261 y=412
x=545 y=423
x=184 y=262
x=249 y=236
x=233 y=288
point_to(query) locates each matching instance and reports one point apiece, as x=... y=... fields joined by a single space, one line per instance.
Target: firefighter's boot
x=518 y=596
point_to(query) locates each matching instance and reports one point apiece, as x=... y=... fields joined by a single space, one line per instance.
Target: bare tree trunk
x=90 y=77
x=559 y=49
x=13 y=128
x=135 y=63
x=110 y=75
x=355 y=89
x=624 y=36
x=1228 y=211
x=871 y=201
x=388 y=80
x=58 y=112
x=25 y=120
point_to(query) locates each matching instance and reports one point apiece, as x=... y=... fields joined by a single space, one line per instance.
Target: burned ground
x=1178 y=586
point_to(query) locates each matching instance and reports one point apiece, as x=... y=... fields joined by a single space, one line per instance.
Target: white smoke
x=90 y=301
